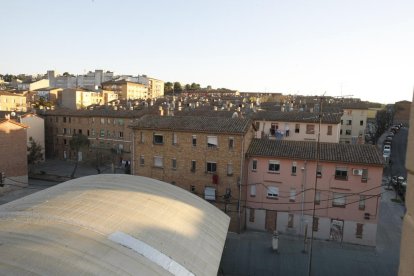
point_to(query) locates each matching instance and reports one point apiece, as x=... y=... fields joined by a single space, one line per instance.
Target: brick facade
x=155 y=160
x=13 y=148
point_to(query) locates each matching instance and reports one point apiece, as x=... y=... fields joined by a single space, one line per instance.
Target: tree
x=66 y=74
x=383 y=121
x=187 y=87
x=168 y=87
x=34 y=153
x=78 y=142
x=195 y=86
x=177 y=87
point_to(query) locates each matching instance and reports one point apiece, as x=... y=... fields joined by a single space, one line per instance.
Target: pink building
x=281 y=179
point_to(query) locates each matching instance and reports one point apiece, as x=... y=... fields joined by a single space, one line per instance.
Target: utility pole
x=316 y=185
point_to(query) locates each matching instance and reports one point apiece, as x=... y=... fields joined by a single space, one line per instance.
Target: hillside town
x=306 y=168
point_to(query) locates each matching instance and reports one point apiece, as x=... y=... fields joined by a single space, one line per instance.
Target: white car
x=387 y=151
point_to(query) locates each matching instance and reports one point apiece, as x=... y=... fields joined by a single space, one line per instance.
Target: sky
x=361 y=49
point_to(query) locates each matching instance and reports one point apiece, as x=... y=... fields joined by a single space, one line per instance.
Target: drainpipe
x=133 y=153
x=240 y=182
x=303 y=194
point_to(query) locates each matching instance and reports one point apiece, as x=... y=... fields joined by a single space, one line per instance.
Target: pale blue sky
x=362 y=48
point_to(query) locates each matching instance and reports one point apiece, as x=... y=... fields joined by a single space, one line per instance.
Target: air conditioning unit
x=356 y=172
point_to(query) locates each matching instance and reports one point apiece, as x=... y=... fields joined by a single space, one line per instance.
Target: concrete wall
x=36 y=130
x=407 y=245
x=357 y=130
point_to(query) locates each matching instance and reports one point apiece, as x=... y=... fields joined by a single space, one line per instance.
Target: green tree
x=195 y=86
x=177 y=87
x=168 y=87
x=66 y=74
x=34 y=153
x=383 y=121
x=187 y=87
x=78 y=142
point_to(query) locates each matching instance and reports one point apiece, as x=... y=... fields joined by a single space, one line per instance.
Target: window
x=317 y=198
x=340 y=132
x=348 y=132
x=362 y=202
x=64 y=141
x=254 y=165
x=158 y=161
x=174 y=164
x=319 y=171
x=194 y=138
x=274 y=166
x=293 y=168
x=253 y=190
x=361 y=123
x=310 y=129
x=339 y=200
x=70 y=119
x=231 y=143
x=257 y=126
x=290 y=221
x=102 y=121
x=272 y=192
x=342 y=122
x=64 y=131
x=121 y=122
x=229 y=169
x=359 y=230
x=174 y=139
x=141 y=138
x=212 y=141
x=80 y=131
x=364 y=177
x=329 y=130
x=292 y=196
x=315 y=224
x=211 y=167
x=341 y=173
x=102 y=133
x=141 y=160
x=349 y=122
x=87 y=132
x=251 y=215
x=297 y=128
x=192 y=189
x=158 y=139
x=64 y=119
x=108 y=133
x=193 y=165
x=210 y=193
x=121 y=134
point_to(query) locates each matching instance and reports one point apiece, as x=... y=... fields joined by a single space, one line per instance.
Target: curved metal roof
x=111 y=224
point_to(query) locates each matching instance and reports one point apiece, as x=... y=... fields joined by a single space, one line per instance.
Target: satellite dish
x=13 y=114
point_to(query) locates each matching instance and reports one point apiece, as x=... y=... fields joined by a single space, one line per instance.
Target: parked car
x=387 y=142
x=387 y=151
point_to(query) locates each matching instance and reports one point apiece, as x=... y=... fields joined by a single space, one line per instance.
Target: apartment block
x=127 y=90
x=106 y=129
x=353 y=123
x=282 y=177
x=297 y=126
x=12 y=102
x=204 y=155
x=33 y=85
x=155 y=88
x=80 y=98
x=13 y=161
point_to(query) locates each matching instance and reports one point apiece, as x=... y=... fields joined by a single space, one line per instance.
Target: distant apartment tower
x=91 y=80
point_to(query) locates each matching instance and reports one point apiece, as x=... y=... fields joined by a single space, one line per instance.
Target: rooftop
x=110 y=225
x=193 y=123
x=304 y=150
x=102 y=112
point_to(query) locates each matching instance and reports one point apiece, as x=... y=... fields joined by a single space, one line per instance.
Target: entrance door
x=337 y=229
x=271 y=219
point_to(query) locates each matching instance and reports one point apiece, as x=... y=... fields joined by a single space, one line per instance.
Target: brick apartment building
x=13 y=161
x=204 y=155
x=107 y=130
x=281 y=183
